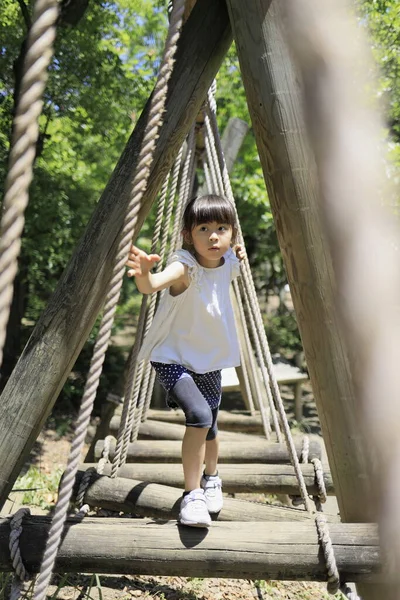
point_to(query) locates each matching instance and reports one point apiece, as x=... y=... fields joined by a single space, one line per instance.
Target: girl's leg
x=199 y=419
x=211 y=457
x=211 y=483
x=193 y=450
x=212 y=446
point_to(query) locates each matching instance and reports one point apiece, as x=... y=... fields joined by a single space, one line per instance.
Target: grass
x=38 y=488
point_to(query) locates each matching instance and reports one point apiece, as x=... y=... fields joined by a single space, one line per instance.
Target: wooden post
x=232 y=140
x=62 y=330
x=274 y=102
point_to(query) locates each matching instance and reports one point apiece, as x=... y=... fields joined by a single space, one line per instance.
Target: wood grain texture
x=146 y=499
x=157 y=430
x=65 y=325
x=240 y=550
x=169 y=451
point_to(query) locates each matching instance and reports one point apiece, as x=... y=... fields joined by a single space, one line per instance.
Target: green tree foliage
x=100 y=77
x=106 y=57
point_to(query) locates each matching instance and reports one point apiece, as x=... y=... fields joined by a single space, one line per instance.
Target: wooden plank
x=63 y=328
x=227 y=421
x=158 y=430
x=240 y=479
x=170 y=451
x=241 y=550
x=285 y=374
x=146 y=499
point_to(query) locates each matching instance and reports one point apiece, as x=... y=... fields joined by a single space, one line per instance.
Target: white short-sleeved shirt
x=197 y=328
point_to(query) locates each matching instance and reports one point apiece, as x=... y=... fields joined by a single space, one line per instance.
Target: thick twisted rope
x=132 y=410
x=138 y=379
x=138 y=187
x=251 y=292
x=184 y=190
x=326 y=543
x=255 y=376
x=23 y=150
x=21 y=574
x=160 y=265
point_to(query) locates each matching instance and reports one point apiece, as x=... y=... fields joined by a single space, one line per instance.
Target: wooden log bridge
x=240 y=479
x=146 y=499
x=169 y=451
x=246 y=550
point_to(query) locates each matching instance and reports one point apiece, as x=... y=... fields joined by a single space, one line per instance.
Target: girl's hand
x=239 y=251
x=140 y=263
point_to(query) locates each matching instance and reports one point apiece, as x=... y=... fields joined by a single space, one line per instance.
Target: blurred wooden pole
x=345 y=132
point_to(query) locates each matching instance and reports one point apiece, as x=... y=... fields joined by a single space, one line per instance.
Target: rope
x=132 y=410
x=21 y=573
x=184 y=190
x=305 y=449
x=263 y=411
x=162 y=252
x=138 y=187
x=326 y=543
x=249 y=284
x=131 y=415
x=253 y=365
x=23 y=150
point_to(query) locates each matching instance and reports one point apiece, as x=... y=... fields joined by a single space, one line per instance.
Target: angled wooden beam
x=274 y=102
x=65 y=325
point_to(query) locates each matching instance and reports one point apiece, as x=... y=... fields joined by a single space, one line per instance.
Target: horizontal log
x=169 y=451
x=158 y=430
x=227 y=421
x=241 y=550
x=146 y=499
x=244 y=478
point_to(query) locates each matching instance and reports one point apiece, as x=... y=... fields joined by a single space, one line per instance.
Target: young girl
x=193 y=337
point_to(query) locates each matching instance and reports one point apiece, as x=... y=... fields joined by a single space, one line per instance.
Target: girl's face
x=211 y=241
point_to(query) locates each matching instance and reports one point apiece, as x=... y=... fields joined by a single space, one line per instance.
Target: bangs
x=207 y=209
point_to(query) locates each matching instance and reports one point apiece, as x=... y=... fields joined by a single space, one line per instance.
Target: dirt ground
x=50 y=453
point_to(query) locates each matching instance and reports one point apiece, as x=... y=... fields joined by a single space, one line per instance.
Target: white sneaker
x=212 y=486
x=194 y=510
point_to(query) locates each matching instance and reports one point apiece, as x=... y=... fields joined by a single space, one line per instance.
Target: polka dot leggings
x=198 y=395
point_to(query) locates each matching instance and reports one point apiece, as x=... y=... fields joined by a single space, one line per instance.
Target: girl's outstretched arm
x=140 y=264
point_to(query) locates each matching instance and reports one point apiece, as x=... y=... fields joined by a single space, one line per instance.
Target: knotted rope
x=23 y=150
x=138 y=187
